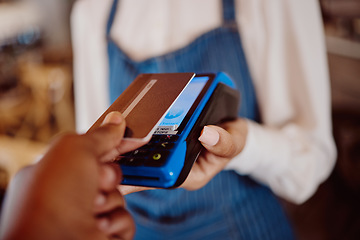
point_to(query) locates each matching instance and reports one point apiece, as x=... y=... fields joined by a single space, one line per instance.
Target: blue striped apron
x=230 y=206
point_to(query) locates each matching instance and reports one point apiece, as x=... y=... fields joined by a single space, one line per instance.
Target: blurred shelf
x=343 y=47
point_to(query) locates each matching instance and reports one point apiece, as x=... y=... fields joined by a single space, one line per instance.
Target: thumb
x=218 y=141
x=109 y=135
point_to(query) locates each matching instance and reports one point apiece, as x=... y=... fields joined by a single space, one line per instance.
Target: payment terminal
x=166 y=160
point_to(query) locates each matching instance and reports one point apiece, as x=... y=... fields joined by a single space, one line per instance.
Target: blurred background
x=36 y=103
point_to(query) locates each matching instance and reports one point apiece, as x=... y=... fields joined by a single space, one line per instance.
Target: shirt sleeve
x=292 y=150
x=88 y=24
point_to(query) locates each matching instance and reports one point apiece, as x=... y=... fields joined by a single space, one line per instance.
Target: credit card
x=146 y=102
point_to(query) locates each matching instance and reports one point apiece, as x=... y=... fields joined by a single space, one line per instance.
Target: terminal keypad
x=153 y=154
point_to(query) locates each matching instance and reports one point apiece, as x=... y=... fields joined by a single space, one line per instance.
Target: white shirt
x=292 y=150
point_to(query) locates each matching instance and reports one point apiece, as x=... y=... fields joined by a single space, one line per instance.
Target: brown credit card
x=146 y=101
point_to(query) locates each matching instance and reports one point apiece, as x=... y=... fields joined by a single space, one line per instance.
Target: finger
x=128 y=145
x=125 y=146
x=25 y=172
x=109 y=202
x=118 y=224
x=218 y=141
x=127 y=189
x=109 y=177
x=113 y=118
x=108 y=136
x=204 y=169
x=239 y=131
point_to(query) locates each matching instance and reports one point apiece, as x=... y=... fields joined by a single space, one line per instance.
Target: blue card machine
x=166 y=160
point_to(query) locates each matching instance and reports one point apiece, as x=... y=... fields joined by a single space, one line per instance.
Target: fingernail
x=113 y=117
x=110 y=174
x=209 y=136
x=103 y=224
x=100 y=200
